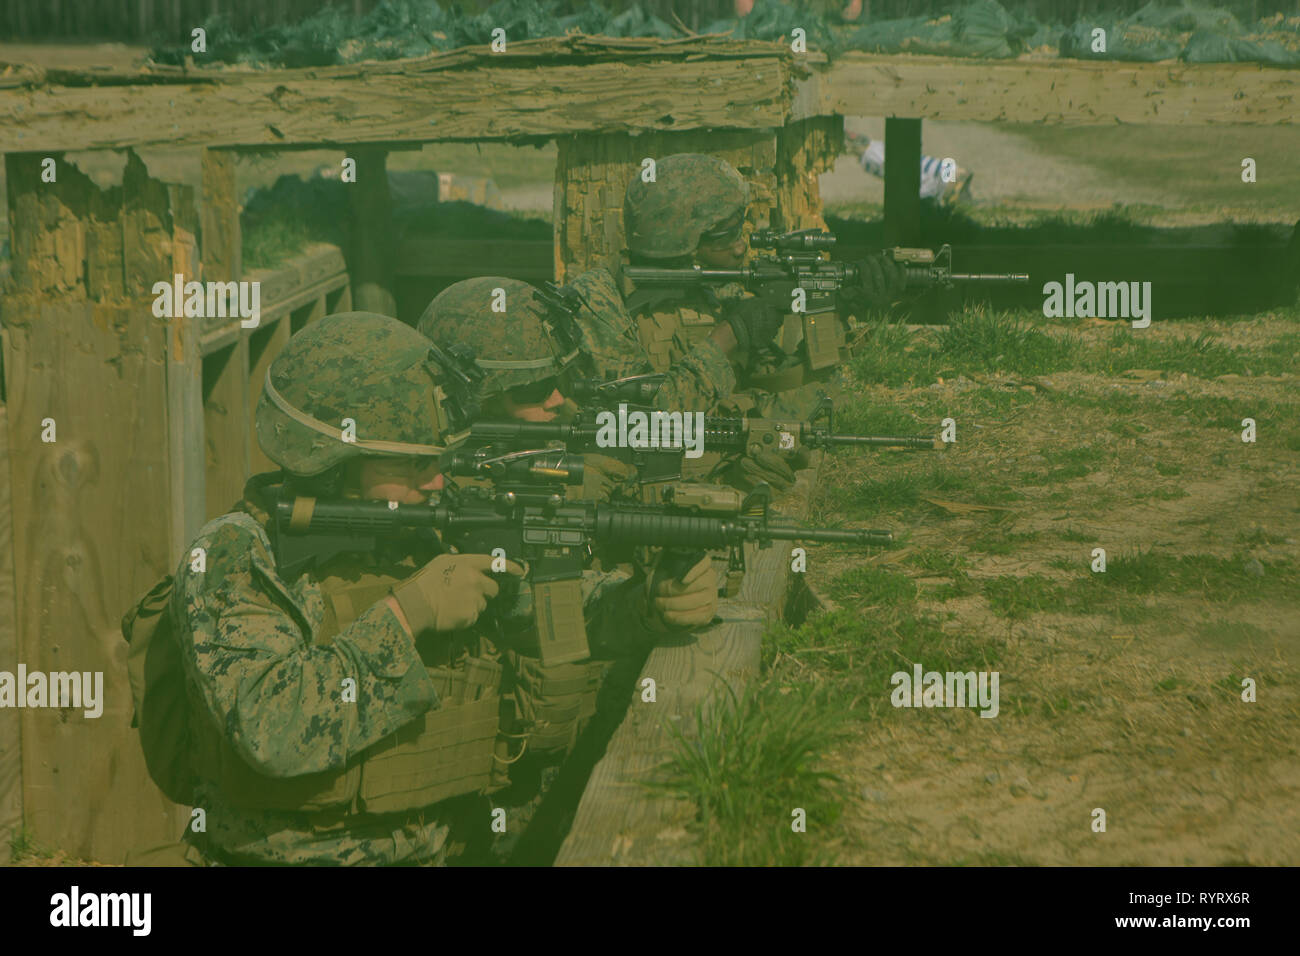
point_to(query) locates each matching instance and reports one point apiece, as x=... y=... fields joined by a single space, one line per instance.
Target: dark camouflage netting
x=395 y=29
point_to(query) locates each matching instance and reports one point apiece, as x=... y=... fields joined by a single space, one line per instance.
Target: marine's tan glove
x=450 y=592
x=761 y=466
x=601 y=475
x=690 y=602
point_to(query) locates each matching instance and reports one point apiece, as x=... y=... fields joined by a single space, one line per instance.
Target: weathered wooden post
x=11 y=754
x=372 y=233
x=226 y=386
x=902 y=181
x=93 y=382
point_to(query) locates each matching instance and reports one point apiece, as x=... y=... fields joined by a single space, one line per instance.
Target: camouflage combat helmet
x=692 y=194
x=530 y=341
x=372 y=369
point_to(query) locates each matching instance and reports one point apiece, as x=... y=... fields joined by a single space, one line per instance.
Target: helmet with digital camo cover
x=692 y=196
x=362 y=366
x=533 y=340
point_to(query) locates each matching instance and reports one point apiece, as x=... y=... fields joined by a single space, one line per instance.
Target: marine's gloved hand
x=762 y=466
x=601 y=475
x=450 y=592
x=881 y=281
x=755 y=321
x=691 y=601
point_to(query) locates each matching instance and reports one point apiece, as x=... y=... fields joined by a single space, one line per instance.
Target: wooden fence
x=154 y=435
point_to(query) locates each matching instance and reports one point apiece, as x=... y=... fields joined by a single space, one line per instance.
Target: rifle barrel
x=648 y=275
x=989 y=277
x=878 y=441
x=779 y=532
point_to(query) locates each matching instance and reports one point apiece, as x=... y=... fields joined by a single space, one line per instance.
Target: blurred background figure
x=871 y=154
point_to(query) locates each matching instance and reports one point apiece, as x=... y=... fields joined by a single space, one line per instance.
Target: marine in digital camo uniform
x=526 y=359
x=696 y=379
x=285 y=766
x=694 y=214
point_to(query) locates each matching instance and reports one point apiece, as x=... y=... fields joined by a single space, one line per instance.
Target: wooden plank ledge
x=619 y=820
x=1068 y=92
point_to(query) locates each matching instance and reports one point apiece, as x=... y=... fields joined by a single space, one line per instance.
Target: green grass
x=979 y=340
x=992 y=541
x=1131 y=578
x=1221 y=580
x=1201 y=355
x=861 y=418
x=1226 y=634
x=935 y=559
x=282 y=234
x=1259 y=536
x=747 y=763
x=24 y=846
x=982 y=340
x=994 y=494
x=1019 y=596
x=1134 y=412
x=889 y=357
x=959 y=585
x=855 y=654
x=893 y=493
x=869 y=586
x=1056 y=475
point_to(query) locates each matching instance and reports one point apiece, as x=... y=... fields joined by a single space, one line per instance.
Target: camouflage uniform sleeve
x=275 y=696
x=609 y=334
x=696 y=382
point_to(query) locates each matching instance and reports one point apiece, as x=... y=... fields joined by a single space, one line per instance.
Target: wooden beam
x=371 y=262
x=618 y=820
x=340 y=300
x=226 y=437
x=902 y=181
x=185 y=413
x=313 y=311
x=317 y=271
x=804 y=149
x=378 y=103
x=1069 y=92
x=11 y=754
x=222 y=244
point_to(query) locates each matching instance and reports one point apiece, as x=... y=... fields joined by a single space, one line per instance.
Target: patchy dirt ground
x=1125 y=698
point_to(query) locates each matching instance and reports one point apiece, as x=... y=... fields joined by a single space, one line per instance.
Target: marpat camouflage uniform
x=698 y=374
